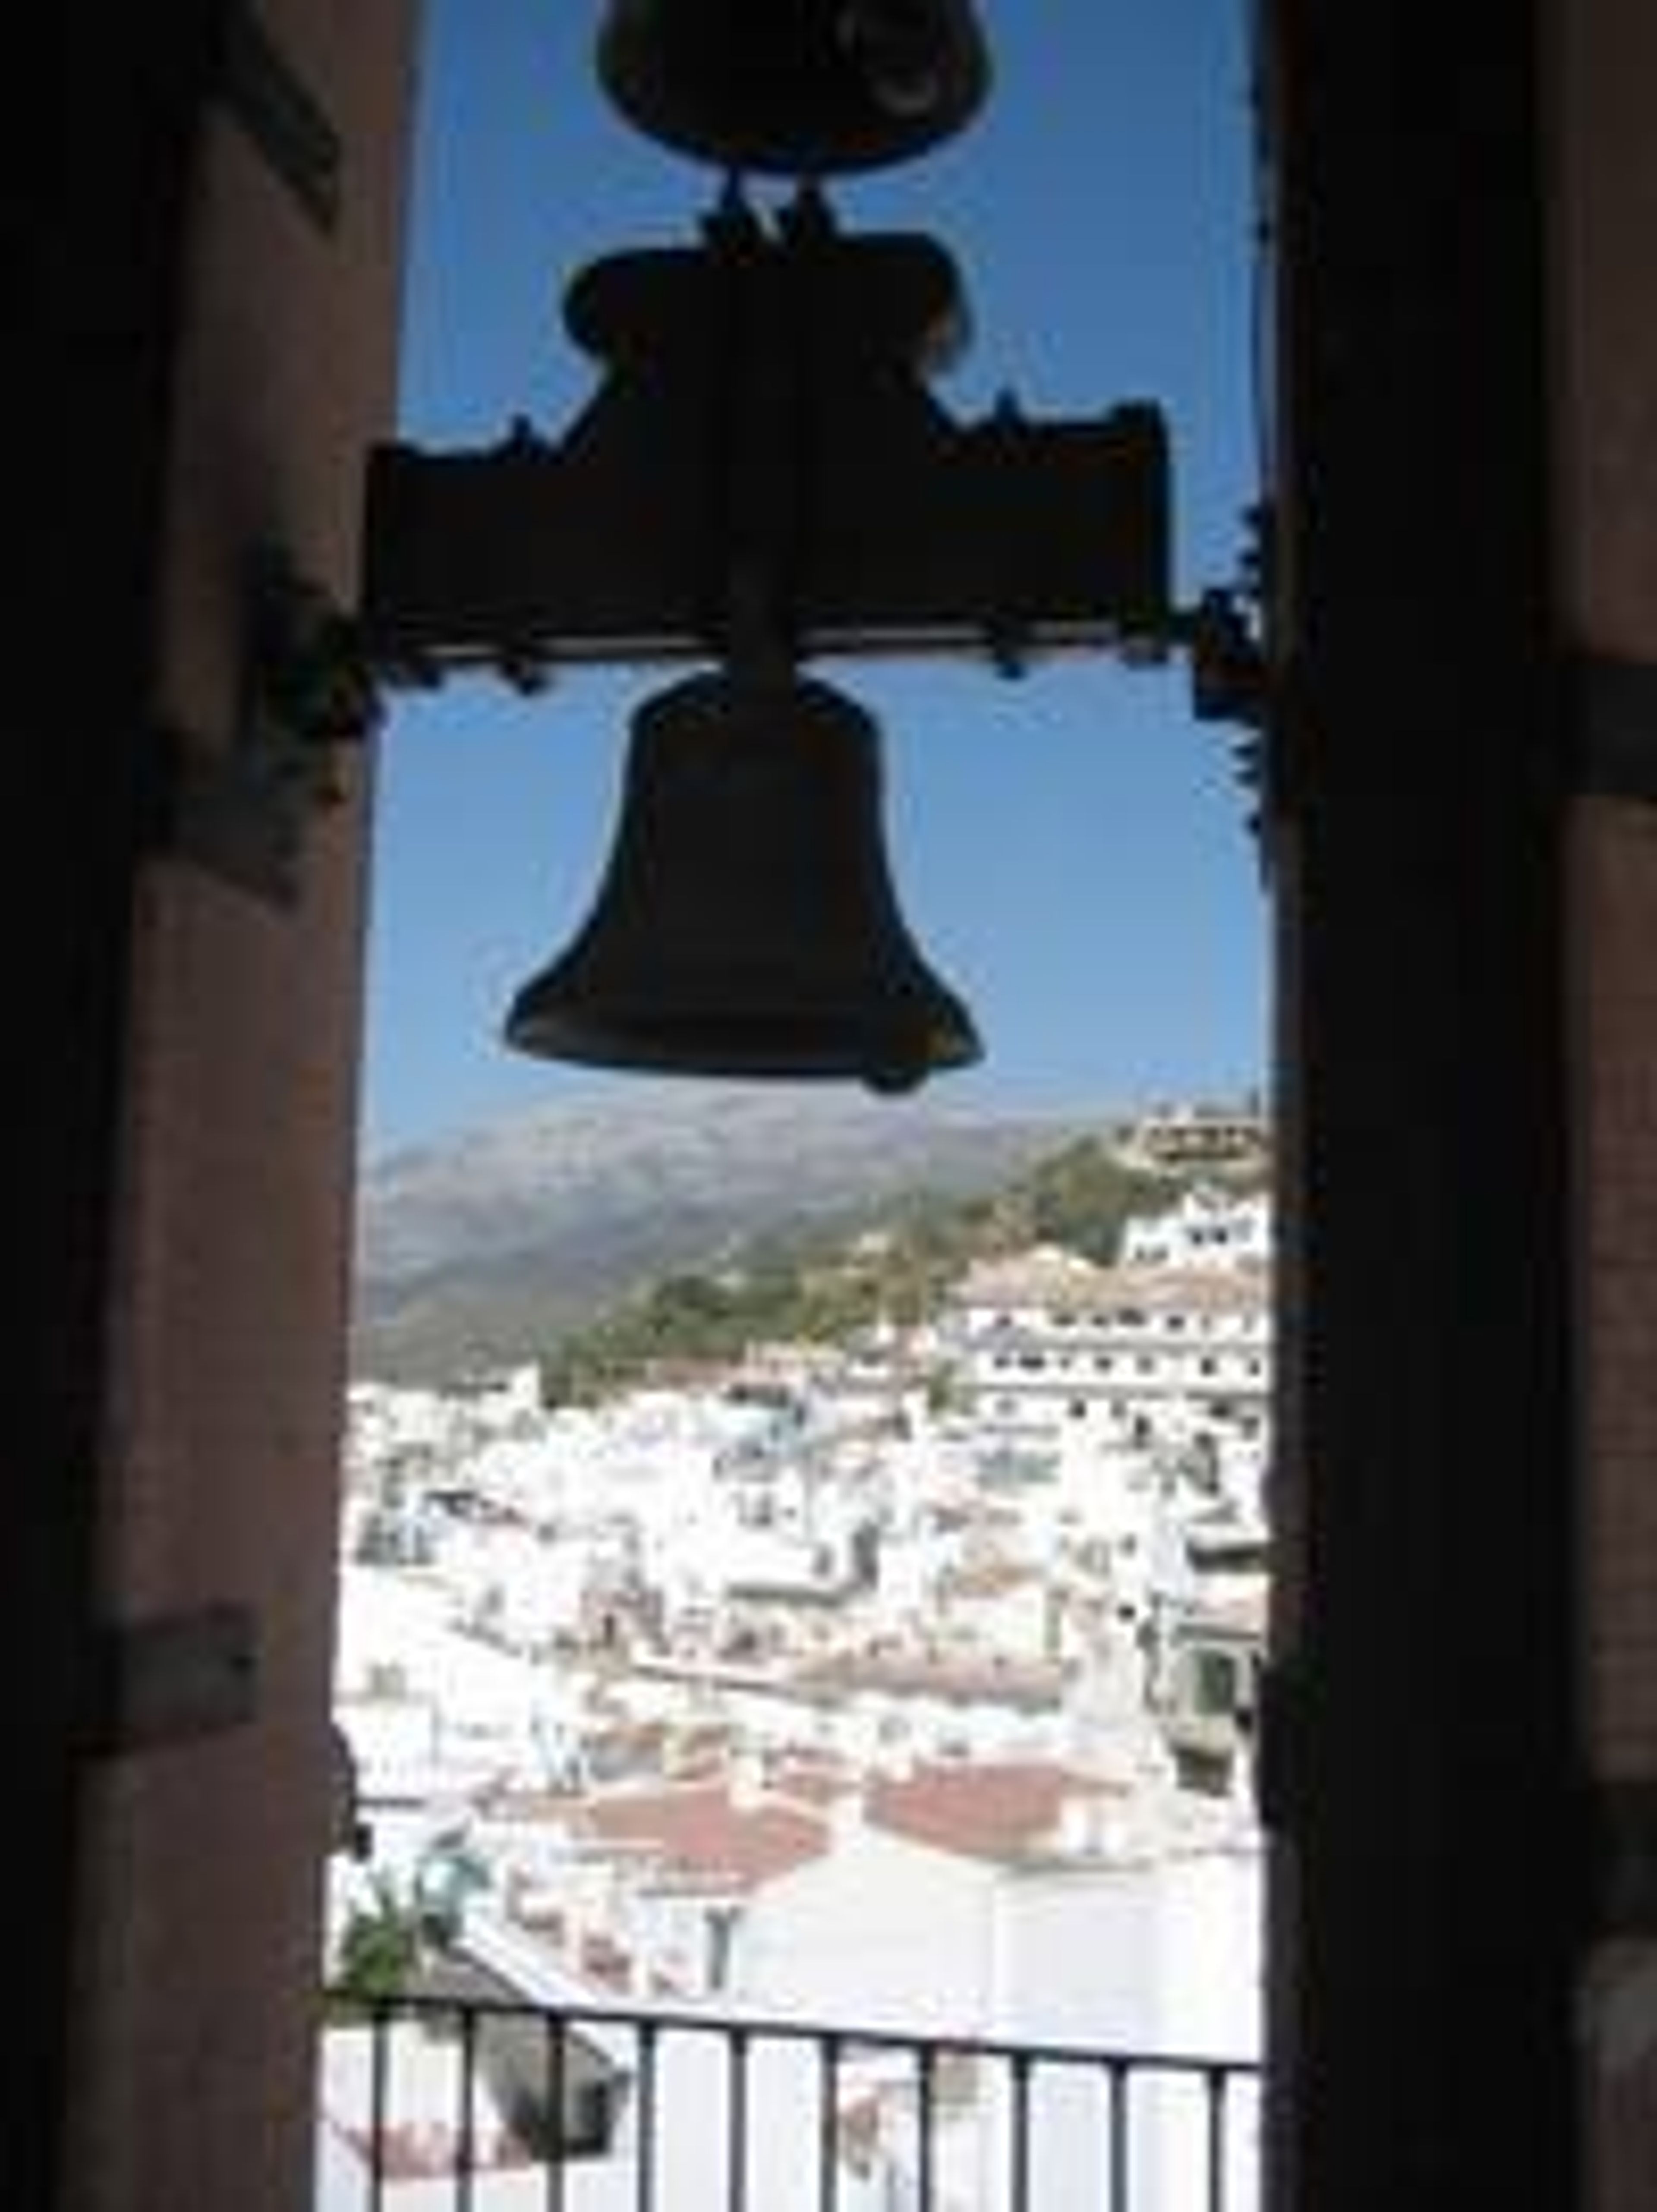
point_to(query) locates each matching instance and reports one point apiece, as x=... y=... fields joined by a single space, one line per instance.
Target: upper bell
x=795 y=87
x=746 y=924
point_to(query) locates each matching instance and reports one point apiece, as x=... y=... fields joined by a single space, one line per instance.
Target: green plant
x=379 y=1947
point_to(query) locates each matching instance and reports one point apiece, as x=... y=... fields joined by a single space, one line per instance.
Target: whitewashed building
x=1206 y=1137
x=1047 y=1343
x=1028 y=1901
x=1208 y=1227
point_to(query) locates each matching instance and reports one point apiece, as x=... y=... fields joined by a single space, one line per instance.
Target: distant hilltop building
x=1207 y=1229
x=1200 y=1137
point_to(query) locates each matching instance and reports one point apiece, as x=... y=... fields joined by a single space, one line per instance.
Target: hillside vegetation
x=818 y=1285
x=633 y=1224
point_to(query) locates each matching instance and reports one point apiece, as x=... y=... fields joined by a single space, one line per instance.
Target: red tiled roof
x=999 y=1812
x=699 y=1832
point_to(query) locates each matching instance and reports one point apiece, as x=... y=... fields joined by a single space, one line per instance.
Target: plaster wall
x=199 y=1963
x=1604 y=64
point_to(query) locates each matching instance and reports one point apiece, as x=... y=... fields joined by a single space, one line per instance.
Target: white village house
x=1139 y=1355
x=845 y=1699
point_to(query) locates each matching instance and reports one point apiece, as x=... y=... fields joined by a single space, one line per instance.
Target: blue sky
x=1070 y=847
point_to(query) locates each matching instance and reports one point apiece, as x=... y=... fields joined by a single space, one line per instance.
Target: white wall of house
x=1160 y=1951
x=1207 y=1228
x=1160 y=1948
x=880 y=1931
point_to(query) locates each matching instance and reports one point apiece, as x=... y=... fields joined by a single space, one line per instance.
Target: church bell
x=746 y=924
x=795 y=87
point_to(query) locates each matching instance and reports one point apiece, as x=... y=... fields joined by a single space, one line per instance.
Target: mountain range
x=485 y=1247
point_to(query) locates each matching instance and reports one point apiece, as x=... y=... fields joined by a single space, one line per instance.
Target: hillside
x=823 y=1285
x=502 y=1241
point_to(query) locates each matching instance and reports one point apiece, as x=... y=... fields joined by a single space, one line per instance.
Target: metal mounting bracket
x=239 y=809
x=1622 y=1851
x=1616 y=727
x=166 y=1680
x=282 y=116
x=764 y=423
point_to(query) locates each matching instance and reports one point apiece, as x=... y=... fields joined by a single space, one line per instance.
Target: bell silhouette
x=746 y=924
x=796 y=87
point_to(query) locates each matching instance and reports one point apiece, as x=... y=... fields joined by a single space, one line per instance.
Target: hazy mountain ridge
x=484 y=1247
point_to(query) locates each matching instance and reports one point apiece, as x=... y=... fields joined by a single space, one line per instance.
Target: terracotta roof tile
x=699 y=1833
x=1003 y=1812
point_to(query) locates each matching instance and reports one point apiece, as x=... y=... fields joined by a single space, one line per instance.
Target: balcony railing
x=474 y=2105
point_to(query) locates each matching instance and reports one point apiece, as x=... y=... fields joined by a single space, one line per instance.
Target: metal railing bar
x=736 y=2068
x=465 y=2144
x=645 y=2195
x=557 y=2147
x=828 y=2057
x=621 y=2036
x=1119 y=2120
x=1215 y=2088
x=784 y=2029
x=925 y=2097
x=1018 y=2147
x=379 y=2069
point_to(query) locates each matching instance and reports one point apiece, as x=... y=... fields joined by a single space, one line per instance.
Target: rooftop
x=704 y=1834
x=1001 y=1812
x=1063 y=1284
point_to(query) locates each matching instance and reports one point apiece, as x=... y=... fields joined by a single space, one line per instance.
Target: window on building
x=1213 y=1683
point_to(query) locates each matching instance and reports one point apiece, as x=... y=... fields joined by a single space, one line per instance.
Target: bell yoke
x=763 y=476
